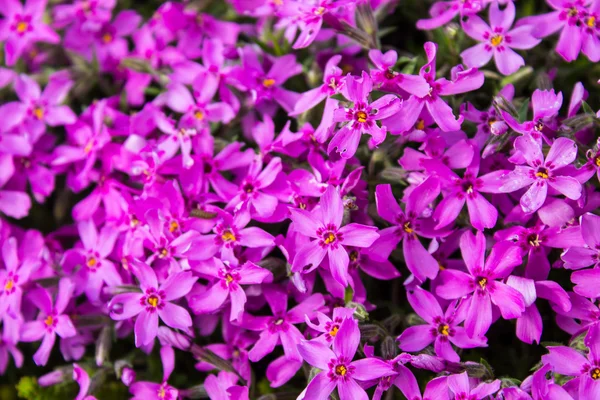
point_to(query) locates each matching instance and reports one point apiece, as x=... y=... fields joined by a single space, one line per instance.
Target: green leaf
x=586 y=108
x=522 y=113
x=348 y=294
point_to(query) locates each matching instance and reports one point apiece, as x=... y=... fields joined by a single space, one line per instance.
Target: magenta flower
x=408 y=225
x=51 y=320
x=163 y=391
x=83 y=380
x=387 y=79
x=23 y=26
x=585 y=369
x=337 y=368
x=537 y=241
x=13 y=278
x=581 y=257
x=280 y=327
x=497 y=40
x=95 y=269
x=223 y=387
x=228 y=279
x=361 y=117
x=329 y=327
x=575 y=23
x=325 y=226
x=460 y=386
x=254 y=191
x=8 y=348
x=541 y=173
x=333 y=82
x=154 y=301
x=443 y=12
x=198 y=110
x=462 y=81
x=467 y=189
x=38 y=108
x=546 y=105
x=480 y=284
x=442 y=328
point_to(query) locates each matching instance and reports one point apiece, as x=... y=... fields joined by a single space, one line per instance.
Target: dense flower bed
x=299 y=199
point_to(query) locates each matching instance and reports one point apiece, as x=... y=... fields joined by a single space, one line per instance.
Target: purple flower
x=529 y=324
x=443 y=12
x=13 y=279
x=329 y=327
x=96 y=270
x=585 y=370
x=387 y=79
x=154 y=301
x=223 y=387
x=442 y=328
x=51 y=320
x=462 y=81
x=408 y=226
x=163 y=391
x=23 y=26
x=467 y=189
x=199 y=110
x=541 y=173
x=361 y=117
x=580 y=257
x=333 y=81
x=337 y=368
x=83 y=380
x=228 y=278
x=536 y=241
x=577 y=26
x=459 y=385
x=325 y=226
x=8 y=348
x=480 y=283
x=498 y=40
x=280 y=327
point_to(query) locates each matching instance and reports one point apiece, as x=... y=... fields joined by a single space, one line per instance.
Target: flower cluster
x=233 y=190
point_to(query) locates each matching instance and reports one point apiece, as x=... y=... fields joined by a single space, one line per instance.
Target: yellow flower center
x=534 y=240
x=542 y=173
x=228 y=236
x=491 y=121
x=91 y=262
x=597 y=161
x=38 y=112
x=163 y=253
x=595 y=374
x=49 y=320
x=228 y=278
x=469 y=189
x=279 y=321
x=591 y=21
x=332 y=83
x=88 y=147
x=420 y=125
x=107 y=38
x=353 y=255
x=334 y=331
x=199 y=115
x=22 y=27
x=341 y=370
x=496 y=40
x=162 y=393
x=320 y=11
x=329 y=238
x=441 y=266
x=361 y=116
x=268 y=82
x=9 y=284
x=152 y=301
x=173 y=226
x=573 y=12
x=133 y=222
x=408 y=228
x=482 y=282
x=444 y=330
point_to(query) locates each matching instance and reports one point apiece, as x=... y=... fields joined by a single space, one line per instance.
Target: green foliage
x=29 y=389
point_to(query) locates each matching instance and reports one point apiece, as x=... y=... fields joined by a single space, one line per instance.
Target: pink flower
x=541 y=173
x=498 y=40
x=154 y=301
